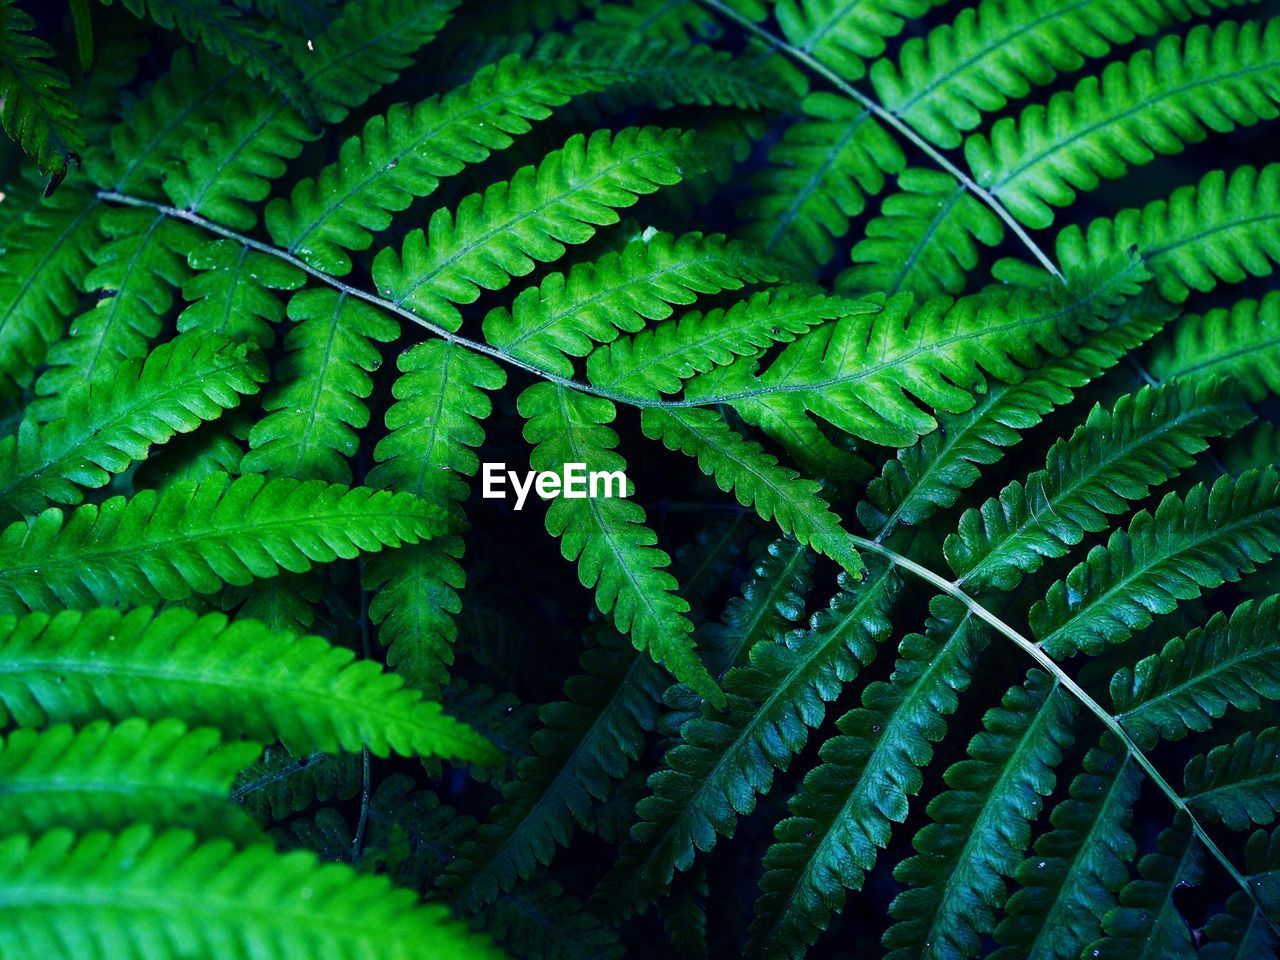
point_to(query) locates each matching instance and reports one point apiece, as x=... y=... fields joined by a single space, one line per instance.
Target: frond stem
x=112 y=196
x=891 y=118
x=1064 y=679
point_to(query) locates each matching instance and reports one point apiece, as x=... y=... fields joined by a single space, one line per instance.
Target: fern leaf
x=241 y=677
x=1147 y=922
x=317 y=405
x=818 y=178
x=844 y=34
x=1213 y=536
x=1238 y=343
x=566 y=314
x=846 y=805
x=47 y=258
x=756 y=478
x=411 y=833
x=769 y=606
x=513 y=225
x=607 y=537
x=932 y=473
x=107 y=777
x=1196 y=679
x=1111 y=460
x=179 y=105
x=196 y=536
x=586 y=743
x=1216 y=78
x=137 y=271
x=659 y=360
x=342 y=75
x=230 y=170
x=35 y=108
x=231 y=291
x=981 y=826
x=1224 y=229
x=226 y=32
x=281 y=784
x=725 y=758
x=434 y=425
x=635 y=70
x=925 y=239
x=998 y=50
x=1238 y=932
x=403 y=154
x=861 y=373
x=1072 y=876
x=1237 y=784
x=541 y=919
x=112 y=423
x=589 y=739
x=134 y=895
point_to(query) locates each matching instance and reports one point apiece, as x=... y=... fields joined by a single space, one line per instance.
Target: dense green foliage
x=939 y=343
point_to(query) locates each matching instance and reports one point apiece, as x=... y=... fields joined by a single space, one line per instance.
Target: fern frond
x=281 y=784
x=1224 y=229
x=634 y=70
x=998 y=50
x=1196 y=679
x=864 y=373
x=411 y=833
x=844 y=810
x=568 y=313
x=924 y=240
x=179 y=105
x=1214 y=535
x=225 y=32
x=1238 y=932
x=725 y=758
x=756 y=478
x=317 y=405
x=543 y=920
x=35 y=108
x=845 y=34
x=587 y=742
x=230 y=291
x=1114 y=458
x=1239 y=343
x=1070 y=878
x=47 y=258
x=1237 y=784
x=1147 y=919
x=499 y=717
x=434 y=425
x=818 y=178
x=981 y=825
x=137 y=272
x=659 y=360
x=196 y=536
x=137 y=895
x=675 y=24
x=932 y=473
x=402 y=155
x=514 y=225
x=607 y=537
x=1216 y=78
x=342 y=75
x=108 y=776
x=240 y=677
x=112 y=423
x=231 y=169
